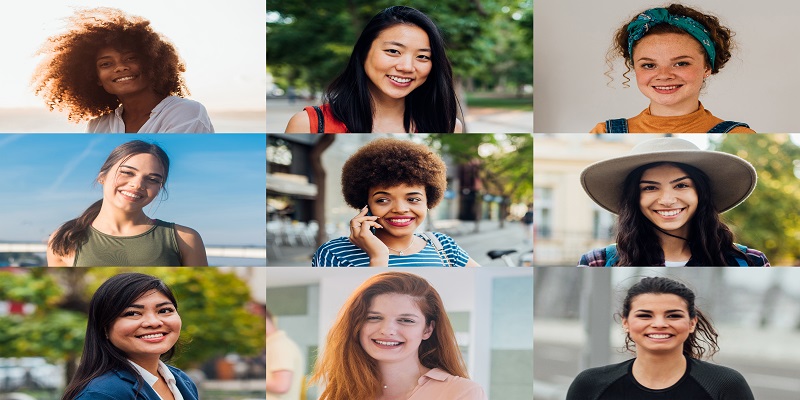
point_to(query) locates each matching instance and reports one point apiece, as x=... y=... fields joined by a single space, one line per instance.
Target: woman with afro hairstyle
x=669 y=337
x=399 y=181
x=398 y=79
x=393 y=340
x=113 y=68
x=672 y=51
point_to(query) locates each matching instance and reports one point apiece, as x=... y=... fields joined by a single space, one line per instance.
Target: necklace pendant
x=400 y=253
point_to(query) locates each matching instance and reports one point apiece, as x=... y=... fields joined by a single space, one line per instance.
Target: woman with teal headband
x=672 y=52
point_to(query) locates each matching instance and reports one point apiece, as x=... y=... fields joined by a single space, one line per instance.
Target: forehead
x=659 y=302
x=152 y=296
x=144 y=162
x=410 y=36
x=394 y=303
x=663 y=172
x=110 y=51
x=398 y=190
x=667 y=45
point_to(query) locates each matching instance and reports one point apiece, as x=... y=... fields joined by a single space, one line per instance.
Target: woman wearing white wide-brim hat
x=668 y=195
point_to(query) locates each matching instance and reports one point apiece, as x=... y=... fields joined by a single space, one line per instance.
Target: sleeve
x=199 y=125
x=324 y=257
x=279 y=358
x=737 y=390
x=474 y=393
x=458 y=256
x=594 y=258
x=91 y=394
x=581 y=388
x=599 y=128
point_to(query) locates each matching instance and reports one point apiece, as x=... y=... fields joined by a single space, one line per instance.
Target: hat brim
x=732 y=178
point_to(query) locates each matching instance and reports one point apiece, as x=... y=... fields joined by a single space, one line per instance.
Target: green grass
x=524 y=103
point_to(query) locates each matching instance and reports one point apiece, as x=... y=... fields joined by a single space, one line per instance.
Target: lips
x=666 y=89
x=131 y=195
x=659 y=336
x=670 y=213
x=153 y=337
x=386 y=344
x=125 y=78
x=399 y=221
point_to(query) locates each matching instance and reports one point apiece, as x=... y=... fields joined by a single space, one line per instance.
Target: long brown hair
x=346 y=368
x=73 y=233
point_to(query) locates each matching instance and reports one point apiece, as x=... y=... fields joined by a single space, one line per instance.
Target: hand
x=362 y=236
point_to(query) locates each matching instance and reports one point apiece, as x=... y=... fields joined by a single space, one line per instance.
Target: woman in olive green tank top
x=114 y=231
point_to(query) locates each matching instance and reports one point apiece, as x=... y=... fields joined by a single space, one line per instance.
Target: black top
x=701 y=381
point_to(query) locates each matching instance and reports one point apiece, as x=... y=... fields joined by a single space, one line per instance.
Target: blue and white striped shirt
x=341 y=253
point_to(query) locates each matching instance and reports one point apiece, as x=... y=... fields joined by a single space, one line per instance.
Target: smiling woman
x=399 y=181
x=115 y=69
x=669 y=337
x=133 y=327
x=114 y=231
x=394 y=335
x=398 y=80
x=669 y=194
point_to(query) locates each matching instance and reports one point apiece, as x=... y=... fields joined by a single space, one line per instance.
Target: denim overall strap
x=619 y=125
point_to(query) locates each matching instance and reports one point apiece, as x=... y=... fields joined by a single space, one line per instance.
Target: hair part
x=704 y=338
x=638 y=242
x=108 y=302
x=67 y=76
x=431 y=107
x=73 y=233
x=347 y=369
x=721 y=36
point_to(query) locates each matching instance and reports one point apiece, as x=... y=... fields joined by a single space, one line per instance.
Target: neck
x=659 y=371
x=674 y=110
x=116 y=222
x=398 y=379
x=148 y=363
x=388 y=113
x=395 y=242
x=675 y=249
x=140 y=103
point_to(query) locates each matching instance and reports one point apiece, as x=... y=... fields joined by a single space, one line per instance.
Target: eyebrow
x=401 y=315
x=667 y=311
x=389 y=194
x=139 y=306
x=137 y=169
x=671 y=59
x=398 y=44
x=672 y=181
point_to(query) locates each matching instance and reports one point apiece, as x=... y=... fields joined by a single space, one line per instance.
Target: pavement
x=478 y=120
x=489 y=237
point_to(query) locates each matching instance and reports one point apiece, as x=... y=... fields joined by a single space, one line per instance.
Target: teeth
x=125 y=78
x=387 y=343
x=659 y=336
x=153 y=336
x=665 y=87
x=669 y=213
x=399 y=79
x=131 y=195
x=400 y=221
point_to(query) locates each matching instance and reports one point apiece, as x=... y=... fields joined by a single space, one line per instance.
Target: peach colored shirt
x=700 y=121
x=438 y=384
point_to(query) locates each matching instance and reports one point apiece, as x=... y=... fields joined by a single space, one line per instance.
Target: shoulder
x=461 y=258
x=459 y=128
x=101 y=124
x=742 y=129
x=337 y=253
x=179 y=115
x=184 y=104
x=755 y=258
x=590 y=383
x=181 y=376
x=594 y=258
x=113 y=385
x=299 y=123
x=443 y=385
x=190 y=244
x=721 y=382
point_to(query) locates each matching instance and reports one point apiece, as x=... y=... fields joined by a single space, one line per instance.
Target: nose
x=667 y=198
x=400 y=207
x=136 y=182
x=151 y=320
x=388 y=328
x=405 y=63
x=121 y=66
x=658 y=322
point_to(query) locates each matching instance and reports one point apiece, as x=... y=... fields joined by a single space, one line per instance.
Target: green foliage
x=768 y=220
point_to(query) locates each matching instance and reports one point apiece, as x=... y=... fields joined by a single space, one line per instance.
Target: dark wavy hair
x=99 y=354
x=72 y=234
x=67 y=76
x=720 y=35
x=637 y=241
x=704 y=338
x=432 y=107
x=390 y=162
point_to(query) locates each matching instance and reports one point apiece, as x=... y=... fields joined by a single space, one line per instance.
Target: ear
x=428 y=330
x=694 y=325
x=625 y=324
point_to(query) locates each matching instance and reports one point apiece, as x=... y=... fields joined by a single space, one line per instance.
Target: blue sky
x=216 y=183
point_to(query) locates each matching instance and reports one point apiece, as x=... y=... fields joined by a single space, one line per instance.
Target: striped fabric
x=341 y=253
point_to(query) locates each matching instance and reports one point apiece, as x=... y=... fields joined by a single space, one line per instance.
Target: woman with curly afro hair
x=115 y=70
x=399 y=181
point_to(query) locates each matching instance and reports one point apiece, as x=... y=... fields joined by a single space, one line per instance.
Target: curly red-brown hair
x=67 y=76
x=390 y=162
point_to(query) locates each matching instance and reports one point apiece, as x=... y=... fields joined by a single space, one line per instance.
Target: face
x=670 y=68
x=147 y=328
x=131 y=184
x=401 y=208
x=659 y=323
x=394 y=328
x=398 y=61
x=668 y=198
x=120 y=73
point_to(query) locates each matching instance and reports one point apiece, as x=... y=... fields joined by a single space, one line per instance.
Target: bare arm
x=472 y=263
x=459 y=127
x=193 y=251
x=299 y=123
x=279 y=382
x=54 y=260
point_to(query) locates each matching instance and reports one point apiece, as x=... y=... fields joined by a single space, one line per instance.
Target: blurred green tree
x=212 y=305
x=768 y=220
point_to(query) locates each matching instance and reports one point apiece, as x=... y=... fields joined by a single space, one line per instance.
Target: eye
x=648 y=188
x=103 y=64
x=642 y=315
x=682 y=185
x=392 y=51
x=131 y=313
x=126 y=172
x=155 y=180
x=382 y=201
x=415 y=199
x=166 y=310
x=424 y=57
x=647 y=66
x=407 y=320
x=373 y=318
x=682 y=64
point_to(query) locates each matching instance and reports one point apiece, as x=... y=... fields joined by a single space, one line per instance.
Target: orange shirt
x=331 y=124
x=700 y=121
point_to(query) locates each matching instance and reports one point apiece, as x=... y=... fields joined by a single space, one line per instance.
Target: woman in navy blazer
x=133 y=327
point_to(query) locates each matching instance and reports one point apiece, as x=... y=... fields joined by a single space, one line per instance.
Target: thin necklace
x=400 y=252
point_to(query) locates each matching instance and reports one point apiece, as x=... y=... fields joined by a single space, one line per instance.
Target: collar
x=152 y=379
x=434 y=374
x=156 y=110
